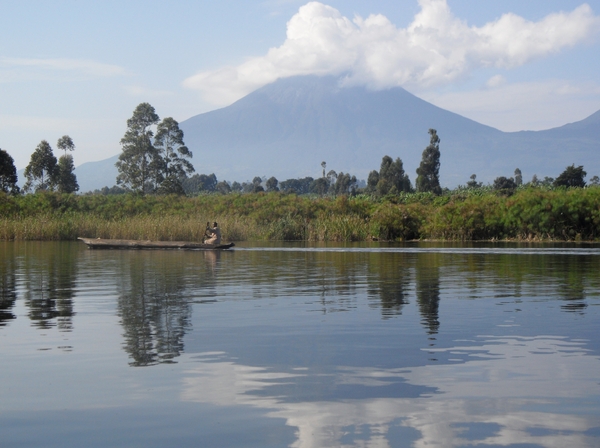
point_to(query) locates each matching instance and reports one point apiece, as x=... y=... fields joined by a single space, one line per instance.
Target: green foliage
x=473 y=182
x=223 y=187
x=66 y=181
x=298 y=186
x=397 y=222
x=271 y=184
x=199 y=183
x=571 y=177
x=392 y=178
x=372 y=181
x=518 y=177
x=344 y=184
x=139 y=165
x=65 y=143
x=41 y=171
x=505 y=185
x=532 y=214
x=8 y=173
x=172 y=155
x=428 y=178
x=320 y=186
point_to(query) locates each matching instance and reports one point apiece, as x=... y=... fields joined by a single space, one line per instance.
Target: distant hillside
x=286 y=129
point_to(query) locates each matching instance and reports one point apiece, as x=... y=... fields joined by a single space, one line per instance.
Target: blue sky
x=81 y=67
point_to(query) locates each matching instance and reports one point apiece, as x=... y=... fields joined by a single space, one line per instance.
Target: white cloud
x=496 y=81
x=81 y=66
x=435 y=49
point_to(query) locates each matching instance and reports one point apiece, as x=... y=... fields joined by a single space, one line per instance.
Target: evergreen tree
x=428 y=172
x=41 y=171
x=139 y=165
x=8 y=173
x=66 y=180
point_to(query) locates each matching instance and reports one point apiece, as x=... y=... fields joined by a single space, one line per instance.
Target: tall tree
x=65 y=143
x=8 y=173
x=171 y=153
x=138 y=163
x=428 y=173
x=66 y=181
x=41 y=171
x=518 y=177
x=571 y=177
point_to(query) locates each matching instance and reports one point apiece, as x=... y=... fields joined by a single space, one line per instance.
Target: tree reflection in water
x=50 y=273
x=428 y=290
x=154 y=302
x=390 y=283
x=8 y=284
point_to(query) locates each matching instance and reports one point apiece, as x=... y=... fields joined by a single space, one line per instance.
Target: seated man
x=214 y=234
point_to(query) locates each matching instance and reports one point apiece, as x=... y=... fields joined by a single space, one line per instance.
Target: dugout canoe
x=100 y=243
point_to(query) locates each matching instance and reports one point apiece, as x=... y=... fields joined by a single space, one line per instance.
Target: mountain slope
x=286 y=129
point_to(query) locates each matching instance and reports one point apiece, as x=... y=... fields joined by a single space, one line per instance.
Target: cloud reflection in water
x=501 y=391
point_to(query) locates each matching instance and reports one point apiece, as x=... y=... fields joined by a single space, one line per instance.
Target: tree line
x=159 y=163
x=44 y=172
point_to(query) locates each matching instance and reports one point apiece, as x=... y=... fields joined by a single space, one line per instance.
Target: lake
x=281 y=344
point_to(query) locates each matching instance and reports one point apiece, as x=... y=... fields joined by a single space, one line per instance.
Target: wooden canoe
x=99 y=243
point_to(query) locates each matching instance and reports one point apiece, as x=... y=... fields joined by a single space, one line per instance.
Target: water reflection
x=476 y=401
x=389 y=283
x=49 y=286
x=428 y=291
x=8 y=284
x=348 y=347
x=154 y=312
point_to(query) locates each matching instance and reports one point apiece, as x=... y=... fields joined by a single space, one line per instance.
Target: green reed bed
x=530 y=214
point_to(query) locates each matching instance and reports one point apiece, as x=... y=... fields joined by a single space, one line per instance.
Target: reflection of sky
x=512 y=390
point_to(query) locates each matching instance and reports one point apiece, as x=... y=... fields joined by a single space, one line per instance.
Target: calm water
x=356 y=346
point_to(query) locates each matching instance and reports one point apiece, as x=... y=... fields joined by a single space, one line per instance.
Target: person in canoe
x=212 y=234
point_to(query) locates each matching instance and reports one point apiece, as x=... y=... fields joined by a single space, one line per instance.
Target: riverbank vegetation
x=465 y=214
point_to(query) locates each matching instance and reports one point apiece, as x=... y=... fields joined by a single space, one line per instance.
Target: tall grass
x=530 y=214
